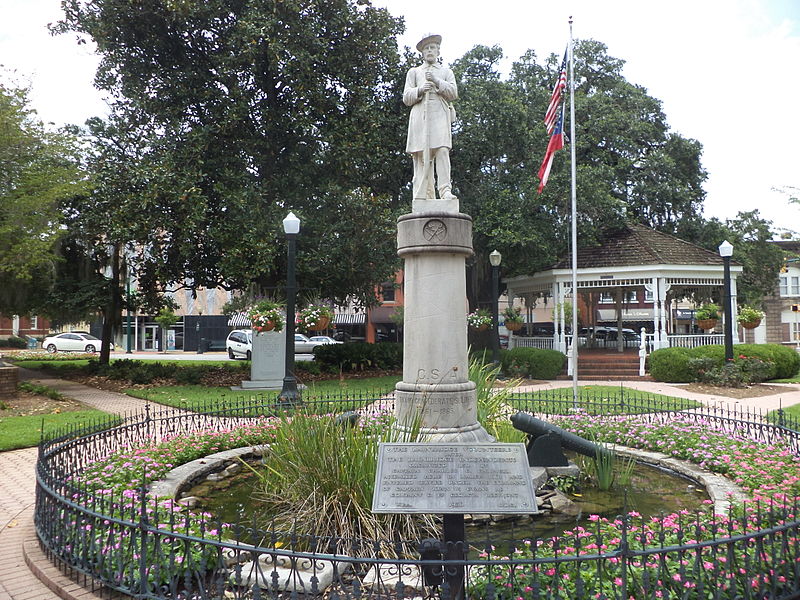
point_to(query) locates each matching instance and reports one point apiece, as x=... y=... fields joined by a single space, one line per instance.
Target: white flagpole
x=574 y=354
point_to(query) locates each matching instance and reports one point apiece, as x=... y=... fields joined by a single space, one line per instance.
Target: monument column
x=436 y=394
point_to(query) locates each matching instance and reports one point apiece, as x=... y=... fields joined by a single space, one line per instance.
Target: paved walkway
x=23 y=566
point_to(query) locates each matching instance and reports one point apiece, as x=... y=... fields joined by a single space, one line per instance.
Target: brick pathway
x=23 y=566
x=18 y=544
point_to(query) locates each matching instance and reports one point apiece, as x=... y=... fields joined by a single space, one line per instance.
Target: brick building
x=22 y=326
x=783 y=323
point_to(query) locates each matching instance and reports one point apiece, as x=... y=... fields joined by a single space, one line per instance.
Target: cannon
x=545 y=442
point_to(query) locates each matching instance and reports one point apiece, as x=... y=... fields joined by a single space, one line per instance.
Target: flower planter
x=513 y=325
x=321 y=324
x=269 y=326
x=706 y=323
x=480 y=328
x=751 y=324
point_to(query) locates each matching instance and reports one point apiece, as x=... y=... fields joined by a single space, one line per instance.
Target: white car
x=73 y=342
x=240 y=344
x=323 y=339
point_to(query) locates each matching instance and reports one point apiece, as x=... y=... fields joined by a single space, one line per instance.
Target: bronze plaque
x=453 y=478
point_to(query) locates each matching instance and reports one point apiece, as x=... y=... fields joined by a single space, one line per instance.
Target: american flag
x=555 y=144
x=551 y=115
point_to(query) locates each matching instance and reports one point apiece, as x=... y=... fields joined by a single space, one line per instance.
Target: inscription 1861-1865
x=453 y=478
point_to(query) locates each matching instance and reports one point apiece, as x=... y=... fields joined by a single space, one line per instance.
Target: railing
x=692 y=341
x=543 y=342
x=136 y=545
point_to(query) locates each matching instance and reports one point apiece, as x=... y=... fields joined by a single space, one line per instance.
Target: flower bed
x=96 y=519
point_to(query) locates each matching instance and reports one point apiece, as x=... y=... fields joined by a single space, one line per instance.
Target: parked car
x=303 y=345
x=324 y=339
x=73 y=342
x=240 y=344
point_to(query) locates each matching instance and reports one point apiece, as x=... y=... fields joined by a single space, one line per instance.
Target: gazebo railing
x=694 y=340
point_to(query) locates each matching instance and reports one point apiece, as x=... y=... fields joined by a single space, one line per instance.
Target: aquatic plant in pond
x=319 y=476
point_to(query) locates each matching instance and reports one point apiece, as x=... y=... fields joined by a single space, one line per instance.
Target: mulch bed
x=753 y=391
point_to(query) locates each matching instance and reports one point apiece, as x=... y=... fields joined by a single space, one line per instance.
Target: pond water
x=651 y=491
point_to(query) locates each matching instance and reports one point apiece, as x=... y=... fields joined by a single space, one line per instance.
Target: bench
x=214 y=345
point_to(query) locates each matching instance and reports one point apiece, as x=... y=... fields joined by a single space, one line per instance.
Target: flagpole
x=574 y=353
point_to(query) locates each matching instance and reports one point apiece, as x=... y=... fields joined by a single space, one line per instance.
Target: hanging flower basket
x=480 y=320
x=749 y=317
x=266 y=315
x=513 y=318
x=315 y=318
x=706 y=323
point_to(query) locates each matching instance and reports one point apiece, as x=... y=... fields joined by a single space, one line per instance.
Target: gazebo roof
x=640 y=245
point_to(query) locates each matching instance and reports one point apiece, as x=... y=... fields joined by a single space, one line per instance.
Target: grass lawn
x=604 y=399
x=198 y=397
x=26 y=431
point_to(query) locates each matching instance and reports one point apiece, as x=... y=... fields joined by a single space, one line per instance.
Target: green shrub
x=358 y=356
x=761 y=362
x=671 y=364
x=307 y=366
x=14 y=342
x=534 y=363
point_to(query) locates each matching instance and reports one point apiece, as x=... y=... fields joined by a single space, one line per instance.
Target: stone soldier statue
x=430 y=89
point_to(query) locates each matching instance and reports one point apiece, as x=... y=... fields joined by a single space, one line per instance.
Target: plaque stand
x=436 y=395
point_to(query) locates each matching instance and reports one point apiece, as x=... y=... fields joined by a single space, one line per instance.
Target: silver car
x=73 y=342
x=240 y=344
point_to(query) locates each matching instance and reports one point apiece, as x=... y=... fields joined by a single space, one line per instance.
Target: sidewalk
x=24 y=567
x=20 y=554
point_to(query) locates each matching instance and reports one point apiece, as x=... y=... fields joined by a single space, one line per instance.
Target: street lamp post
x=289 y=393
x=128 y=317
x=494 y=260
x=726 y=251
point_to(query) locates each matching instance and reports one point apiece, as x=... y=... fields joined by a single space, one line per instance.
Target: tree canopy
x=38 y=169
x=630 y=166
x=249 y=110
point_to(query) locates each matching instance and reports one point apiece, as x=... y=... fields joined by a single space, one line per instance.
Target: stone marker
x=268 y=361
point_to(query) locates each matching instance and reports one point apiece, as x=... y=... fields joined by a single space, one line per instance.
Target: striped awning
x=239 y=320
x=348 y=318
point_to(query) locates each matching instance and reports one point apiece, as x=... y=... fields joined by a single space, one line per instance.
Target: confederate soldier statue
x=430 y=89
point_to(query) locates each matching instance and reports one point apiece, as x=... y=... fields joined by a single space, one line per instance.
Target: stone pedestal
x=268 y=361
x=436 y=394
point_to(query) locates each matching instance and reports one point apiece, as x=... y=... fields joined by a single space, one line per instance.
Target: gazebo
x=635 y=258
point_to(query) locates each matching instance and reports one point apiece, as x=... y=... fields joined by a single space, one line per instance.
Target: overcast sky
x=727 y=72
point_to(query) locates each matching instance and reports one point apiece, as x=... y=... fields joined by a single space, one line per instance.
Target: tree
x=629 y=165
x=761 y=260
x=249 y=110
x=38 y=168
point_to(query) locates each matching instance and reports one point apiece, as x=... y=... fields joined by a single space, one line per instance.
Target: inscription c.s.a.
x=434 y=374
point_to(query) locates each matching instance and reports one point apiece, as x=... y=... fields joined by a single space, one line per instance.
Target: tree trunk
x=114 y=310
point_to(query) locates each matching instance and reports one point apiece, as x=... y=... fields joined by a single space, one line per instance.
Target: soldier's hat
x=437 y=39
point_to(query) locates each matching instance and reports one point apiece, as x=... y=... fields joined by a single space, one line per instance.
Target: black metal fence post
x=454 y=550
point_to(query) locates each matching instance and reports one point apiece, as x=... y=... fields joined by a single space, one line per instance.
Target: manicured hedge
x=672 y=364
x=146 y=371
x=534 y=363
x=357 y=356
x=13 y=342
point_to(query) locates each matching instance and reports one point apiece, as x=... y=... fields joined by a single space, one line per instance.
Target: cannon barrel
x=536 y=427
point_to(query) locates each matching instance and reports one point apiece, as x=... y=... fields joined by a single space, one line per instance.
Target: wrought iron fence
x=152 y=548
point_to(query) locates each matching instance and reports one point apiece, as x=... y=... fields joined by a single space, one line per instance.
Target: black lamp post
x=128 y=317
x=289 y=393
x=494 y=260
x=726 y=251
